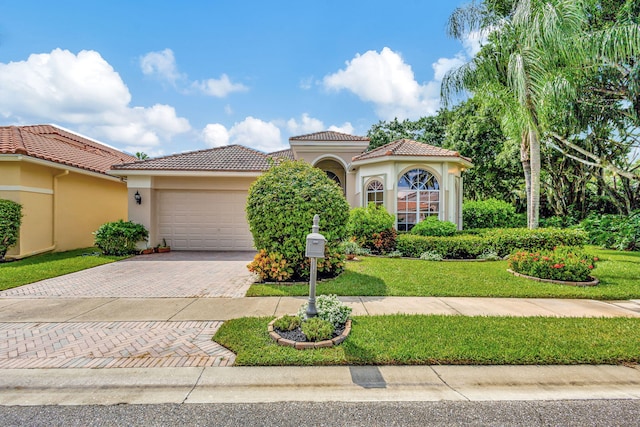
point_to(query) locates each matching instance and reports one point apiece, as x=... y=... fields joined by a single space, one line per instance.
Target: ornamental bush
x=563 y=263
x=432 y=226
x=317 y=329
x=329 y=308
x=454 y=247
x=270 y=266
x=280 y=210
x=120 y=237
x=490 y=213
x=372 y=228
x=10 y=220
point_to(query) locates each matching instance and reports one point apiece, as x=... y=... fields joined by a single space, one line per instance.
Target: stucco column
x=142 y=213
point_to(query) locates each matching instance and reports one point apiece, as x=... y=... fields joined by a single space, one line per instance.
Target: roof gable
x=408 y=147
x=227 y=158
x=47 y=142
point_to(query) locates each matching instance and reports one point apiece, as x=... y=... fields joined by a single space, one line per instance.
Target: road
x=581 y=413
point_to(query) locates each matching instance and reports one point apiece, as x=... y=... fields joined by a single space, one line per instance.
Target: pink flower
x=590 y=267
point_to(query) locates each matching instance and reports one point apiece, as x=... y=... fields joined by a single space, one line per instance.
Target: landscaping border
x=593 y=282
x=307 y=345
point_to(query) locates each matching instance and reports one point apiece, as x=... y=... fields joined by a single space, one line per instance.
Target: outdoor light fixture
x=138 y=198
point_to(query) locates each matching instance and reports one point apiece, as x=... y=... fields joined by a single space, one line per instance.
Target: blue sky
x=165 y=77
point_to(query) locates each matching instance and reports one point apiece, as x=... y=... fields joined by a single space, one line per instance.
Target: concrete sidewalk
x=219 y=309
x=319 y=384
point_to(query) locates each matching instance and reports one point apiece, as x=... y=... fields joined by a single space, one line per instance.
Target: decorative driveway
x=167 y=275
x=171 y=279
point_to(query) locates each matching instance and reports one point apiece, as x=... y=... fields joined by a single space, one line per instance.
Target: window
x=418 y=198
x=334 y=177
x=375 y=192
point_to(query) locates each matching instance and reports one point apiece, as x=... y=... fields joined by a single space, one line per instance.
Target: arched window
x=334 y=177
x=375 y=192
x=418 y=197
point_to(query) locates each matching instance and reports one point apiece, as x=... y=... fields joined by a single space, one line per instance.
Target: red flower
x=546 y=258
x=595 y=258
x=590 y=267
x=558 y=265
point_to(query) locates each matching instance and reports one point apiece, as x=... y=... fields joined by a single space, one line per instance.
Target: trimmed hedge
x=490 y=213
x=501 y=241
x=120 y=237
x=432 y=226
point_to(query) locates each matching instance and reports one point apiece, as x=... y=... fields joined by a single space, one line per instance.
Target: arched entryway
x=334 y=170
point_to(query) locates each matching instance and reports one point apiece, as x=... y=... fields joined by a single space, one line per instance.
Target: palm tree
x=140 y=155
x=534 y=58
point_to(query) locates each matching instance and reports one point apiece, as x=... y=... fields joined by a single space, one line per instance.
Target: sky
x=166 y=77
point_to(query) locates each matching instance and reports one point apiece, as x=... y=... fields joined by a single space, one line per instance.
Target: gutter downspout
x=54 y=216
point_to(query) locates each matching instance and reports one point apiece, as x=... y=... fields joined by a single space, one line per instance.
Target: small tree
x=372 y=228
x=10 y=220
x=280 y=210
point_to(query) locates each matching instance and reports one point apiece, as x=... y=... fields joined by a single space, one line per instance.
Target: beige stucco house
x=196 y=200
x=60 y=179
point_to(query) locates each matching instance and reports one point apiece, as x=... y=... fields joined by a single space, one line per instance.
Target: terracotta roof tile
x=57 y=145
x=226 y=158
x=328 y=136
x=408 y=147
x=283 y=154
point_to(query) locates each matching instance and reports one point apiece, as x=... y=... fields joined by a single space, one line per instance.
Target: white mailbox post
x=314 y=250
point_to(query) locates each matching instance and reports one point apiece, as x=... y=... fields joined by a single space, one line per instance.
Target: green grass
x=619 y=274
x=409 y=340
x=46 y=266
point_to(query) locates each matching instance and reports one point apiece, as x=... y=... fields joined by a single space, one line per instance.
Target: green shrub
x=489 y=255
x=287 y=323
x=499 y=241
x=505 y=241
x=10 y=220
x=329 y=308
x=317 y=329
x=613 y=231
x=432 y=226
x=490 y=213
x=372 y=228
x=280 y=210
x=120 y=237
x=563 y=263
x=454 y=247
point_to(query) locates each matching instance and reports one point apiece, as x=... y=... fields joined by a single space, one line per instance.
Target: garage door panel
x=204 y=220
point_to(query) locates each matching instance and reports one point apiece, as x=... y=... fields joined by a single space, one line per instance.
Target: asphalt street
x=583 y=413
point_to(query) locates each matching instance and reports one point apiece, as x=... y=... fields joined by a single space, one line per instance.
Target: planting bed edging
x=593 y=282
x=306 y=345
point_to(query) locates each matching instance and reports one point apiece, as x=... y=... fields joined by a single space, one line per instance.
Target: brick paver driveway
x=167 y=275
x=124 y=344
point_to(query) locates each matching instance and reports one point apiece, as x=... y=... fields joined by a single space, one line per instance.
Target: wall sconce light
x=138 y=198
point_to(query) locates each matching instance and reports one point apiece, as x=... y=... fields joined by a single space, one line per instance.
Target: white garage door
x=204 y=220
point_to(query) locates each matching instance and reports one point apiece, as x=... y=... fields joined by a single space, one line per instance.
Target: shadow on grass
x=348 y=283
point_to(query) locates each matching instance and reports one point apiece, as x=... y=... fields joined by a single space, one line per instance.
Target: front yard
x=619 y=274
x=428 y=340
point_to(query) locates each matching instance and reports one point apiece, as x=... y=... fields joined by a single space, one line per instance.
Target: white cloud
x=215 y=135
x=161 y=64
x=306 y=83
x=306 y=125
x=443 y=65
x=474 y=41
x=346 y=127
x=388 y=82
x=250 y=132
x=84 y=91
x=219 y=88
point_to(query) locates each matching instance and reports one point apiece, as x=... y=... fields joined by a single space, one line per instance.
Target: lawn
x=46 y=266
x=433 y=339
x=619 y=274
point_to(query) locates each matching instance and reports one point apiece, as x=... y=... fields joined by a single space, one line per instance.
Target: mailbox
x=315 y=245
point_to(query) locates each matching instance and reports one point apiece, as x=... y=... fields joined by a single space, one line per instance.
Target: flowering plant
x=562 y=263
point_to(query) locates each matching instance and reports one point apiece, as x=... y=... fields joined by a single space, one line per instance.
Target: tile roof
x=408 y=147
x=227 y=158
x=283 y=154
x=48 y=142
x=328 y=136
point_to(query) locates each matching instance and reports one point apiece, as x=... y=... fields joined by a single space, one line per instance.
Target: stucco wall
x=75 y=202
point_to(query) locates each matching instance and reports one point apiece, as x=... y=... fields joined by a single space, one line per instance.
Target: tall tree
x=534 y=62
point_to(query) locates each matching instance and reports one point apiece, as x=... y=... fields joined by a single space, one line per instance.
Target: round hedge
x=280 y=210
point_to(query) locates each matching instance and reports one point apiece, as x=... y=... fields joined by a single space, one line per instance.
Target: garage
x=203 y=220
